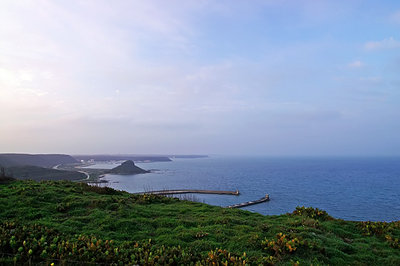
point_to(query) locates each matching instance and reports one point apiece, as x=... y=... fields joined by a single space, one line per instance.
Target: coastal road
x=83 y=172
x=87 y=175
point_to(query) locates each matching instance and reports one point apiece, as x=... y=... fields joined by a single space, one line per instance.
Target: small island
x=127 y=168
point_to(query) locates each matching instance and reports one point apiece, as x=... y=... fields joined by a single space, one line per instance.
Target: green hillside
x=63 y=222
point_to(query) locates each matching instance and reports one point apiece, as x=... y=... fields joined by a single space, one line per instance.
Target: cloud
x=356 y=64
x=395 y=17
x=390 y=43
x=92 y=76
x=371 y=79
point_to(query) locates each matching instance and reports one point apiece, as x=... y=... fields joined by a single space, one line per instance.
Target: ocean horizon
x=349 y=188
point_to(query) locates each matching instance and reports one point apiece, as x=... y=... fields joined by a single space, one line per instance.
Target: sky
x=285 y=78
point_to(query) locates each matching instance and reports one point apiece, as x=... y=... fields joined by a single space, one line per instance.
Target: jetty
x=186 y=191
x=244 y=204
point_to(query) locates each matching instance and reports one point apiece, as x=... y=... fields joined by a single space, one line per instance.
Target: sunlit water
x=347 y=188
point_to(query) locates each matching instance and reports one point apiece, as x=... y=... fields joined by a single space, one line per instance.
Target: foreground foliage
x=64 y=222
x=36 y=244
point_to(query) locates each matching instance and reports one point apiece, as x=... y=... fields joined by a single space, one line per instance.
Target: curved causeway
x=244 y=204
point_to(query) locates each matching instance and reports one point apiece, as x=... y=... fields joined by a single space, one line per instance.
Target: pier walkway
x=244 y=204
x=186 y=191
x=198 y=191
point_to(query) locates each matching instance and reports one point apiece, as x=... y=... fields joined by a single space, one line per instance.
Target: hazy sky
x=308 y=77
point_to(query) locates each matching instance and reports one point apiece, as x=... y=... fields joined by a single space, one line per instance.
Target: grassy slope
x=72 y=208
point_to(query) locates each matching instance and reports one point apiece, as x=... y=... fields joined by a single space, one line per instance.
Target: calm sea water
x=347 y=188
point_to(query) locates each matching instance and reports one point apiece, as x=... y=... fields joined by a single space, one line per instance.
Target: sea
x=357 y=189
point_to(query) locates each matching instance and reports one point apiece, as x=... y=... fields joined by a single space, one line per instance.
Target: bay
x=356 y=189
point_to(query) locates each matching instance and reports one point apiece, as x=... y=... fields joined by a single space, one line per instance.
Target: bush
x=312 y=213
x=100 y=190
x=39 y=244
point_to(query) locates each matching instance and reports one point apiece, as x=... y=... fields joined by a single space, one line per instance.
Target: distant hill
x=136 y=158
x=41 y=160
x=40 y=173
x=127 y=168
x=189 y=156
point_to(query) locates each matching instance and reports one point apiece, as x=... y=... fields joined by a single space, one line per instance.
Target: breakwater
x=186 y=191
x=244 y=204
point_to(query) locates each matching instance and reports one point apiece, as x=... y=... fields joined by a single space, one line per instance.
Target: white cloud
x=356 y=64
x=139 y=72
x=395 y=17
x=389 y=43
x=371 y=79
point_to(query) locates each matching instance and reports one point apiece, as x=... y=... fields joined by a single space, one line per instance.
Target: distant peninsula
x=40 y=160
x=38 y=166
x=127 y=168
x=133 y=157
x=136 y=158
x=66 y=167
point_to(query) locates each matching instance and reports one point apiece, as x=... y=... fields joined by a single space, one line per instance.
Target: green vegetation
x=65 y=222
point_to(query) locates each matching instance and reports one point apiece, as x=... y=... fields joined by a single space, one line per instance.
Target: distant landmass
x=188 y=156
x=40 y=173
x=38 y=166
x=41 y=160
x=127 y=168
x=43 y=166
x=135 y=158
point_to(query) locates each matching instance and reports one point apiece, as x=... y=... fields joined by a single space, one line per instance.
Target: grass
x=307 y=236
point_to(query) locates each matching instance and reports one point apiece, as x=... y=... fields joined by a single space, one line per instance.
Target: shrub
x=282 y=245
x=223 y=257
x=38 y=244
x=394 y=242
x=100 y=190
x=374 y=228
x=313 y=213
